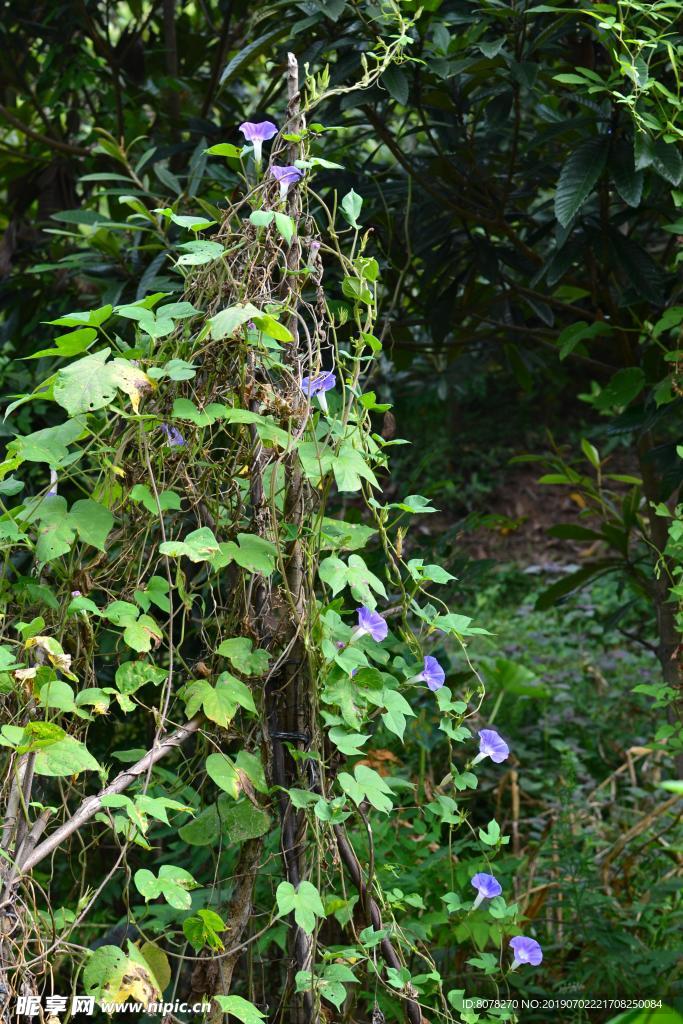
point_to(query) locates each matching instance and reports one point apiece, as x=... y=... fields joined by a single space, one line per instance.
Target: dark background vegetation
x=488 y=267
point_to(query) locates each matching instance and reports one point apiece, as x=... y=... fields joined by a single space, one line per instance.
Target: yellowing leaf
x=52 y=650
x=131 y=380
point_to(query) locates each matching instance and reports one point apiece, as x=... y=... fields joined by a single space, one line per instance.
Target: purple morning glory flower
x=318 y=385
x=258 y=132
x=370 y=624
x=432 y=674
x=487 y=887
x=286 y=176
x=491 y=745
x=526 y=951
x=174 y=438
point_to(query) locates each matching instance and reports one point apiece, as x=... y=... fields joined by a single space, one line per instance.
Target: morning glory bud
x=318 y=385
x=174 y=438
x=286 y=176
x=370 y=624
x=432 y=674
x=491 y=745
x=257 y=133
x=526 y=951
x=487 y=887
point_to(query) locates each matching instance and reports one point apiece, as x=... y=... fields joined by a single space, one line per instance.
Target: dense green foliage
x=225 y=780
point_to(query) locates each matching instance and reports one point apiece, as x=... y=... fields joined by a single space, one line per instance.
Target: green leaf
x=91 y=318
x=396 y=82
x=673 y=786
x=199 y=252
x=169 y=501
x=578 y=177
x=219 y=702
x=105 y=967
x=203 y=930
x=157 y=960
x=91 y=383
x=35 y=736
x=452 y=622
x=305 y=902
x=333 y=572
x=121 y=613
x=131 y=675
x=414 y=503
x=625 y=385
x=223 y=771
x=285 y=226
x=172 y=883
x=573 y=335
x=575 y=580
x=591 y=453
x=366 y=785
x=198 y=546
x=206 y=828
x=340 y=535
x=236 y=690
x=226 y=323
x=49 y=445
x=491 y=47
x=243 y=821
x=667 y=161
x=240 y=1009
x=644 y=273
x=174 y=369
x=261 y=218
x=67 y=756
x=356 y=289
x=191 y=221
x=453 y=902
x=256 y=554
x=265 y=426
x=156 y=592
x=85 y=385
x=514 y=678
x=245 y=54
x=351 y=206
x=67 y=345
x=225 y=820
x=184 y=409
x=252 y=766
x=627 y=180
x=348 y=743
x=93 y=522
x=356 y=575
x=273 y=328
x=226 y=149
x=140 y=635
x=11 y=485
x=431 y=573
x=486 y=962
x=57 y=694
x=56 y=533
x=350 y=468
x=240 y=653
x=398 y=709
x=664 y=1015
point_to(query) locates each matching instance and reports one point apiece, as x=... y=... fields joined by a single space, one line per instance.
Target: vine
x=177 y=572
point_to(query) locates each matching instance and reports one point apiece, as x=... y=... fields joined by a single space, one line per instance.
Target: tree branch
x=348 y=856
x=63 y=147
x=92 y=804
